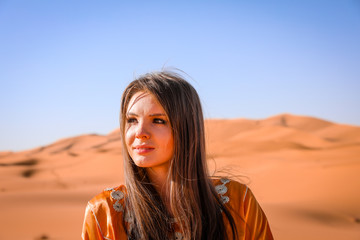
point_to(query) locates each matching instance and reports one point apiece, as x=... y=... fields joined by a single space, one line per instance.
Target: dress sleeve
x=257 y=225
x=91 y=229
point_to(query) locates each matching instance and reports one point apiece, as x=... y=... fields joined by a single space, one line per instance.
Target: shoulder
x=110 y=199
x=233 y=194
x=104 y=214
x=228 y=187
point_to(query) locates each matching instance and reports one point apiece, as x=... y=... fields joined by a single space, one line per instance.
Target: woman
x=168 y=193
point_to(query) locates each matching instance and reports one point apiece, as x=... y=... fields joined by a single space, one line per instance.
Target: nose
x=142 y=132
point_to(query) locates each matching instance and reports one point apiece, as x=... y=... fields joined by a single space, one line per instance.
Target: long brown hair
x=194 y=201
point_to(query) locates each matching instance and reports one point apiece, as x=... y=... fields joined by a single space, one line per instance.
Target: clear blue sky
x=64 y=64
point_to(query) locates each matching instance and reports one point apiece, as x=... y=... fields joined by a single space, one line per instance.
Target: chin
x=142 y=163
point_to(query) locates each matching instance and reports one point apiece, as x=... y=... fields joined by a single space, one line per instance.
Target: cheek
x=129 y=138
x=169 y=142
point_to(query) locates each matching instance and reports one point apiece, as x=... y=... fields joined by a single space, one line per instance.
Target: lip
x=143 y=149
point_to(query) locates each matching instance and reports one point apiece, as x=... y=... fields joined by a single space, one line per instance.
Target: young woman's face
x=148 y=135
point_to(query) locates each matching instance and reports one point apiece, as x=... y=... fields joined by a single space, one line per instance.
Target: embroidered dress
x=105 y=214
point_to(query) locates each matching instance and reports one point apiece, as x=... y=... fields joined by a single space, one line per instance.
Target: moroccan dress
x=106 y=216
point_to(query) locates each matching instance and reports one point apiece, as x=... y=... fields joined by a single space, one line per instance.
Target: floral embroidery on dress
x=118 y=207
x=224 y=180
x=224 y=199
x=222 y=189
x=117 y=195
x=178 y=236
x=128 y=217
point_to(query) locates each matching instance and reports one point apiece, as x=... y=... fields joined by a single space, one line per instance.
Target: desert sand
x=305 y=172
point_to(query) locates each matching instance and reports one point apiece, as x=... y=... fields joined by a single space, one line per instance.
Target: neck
x=158 y=177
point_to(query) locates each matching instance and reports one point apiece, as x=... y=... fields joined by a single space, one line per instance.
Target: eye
x=131 y=120
x=159 y=121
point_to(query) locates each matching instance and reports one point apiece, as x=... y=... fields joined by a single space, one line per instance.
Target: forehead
x=144 y=101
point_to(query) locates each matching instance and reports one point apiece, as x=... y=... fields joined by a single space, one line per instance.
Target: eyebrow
x=151 y=115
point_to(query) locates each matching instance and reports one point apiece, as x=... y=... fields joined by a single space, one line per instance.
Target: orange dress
x=105 y=213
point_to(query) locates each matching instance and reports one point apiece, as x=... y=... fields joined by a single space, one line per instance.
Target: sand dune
x=304 y=171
